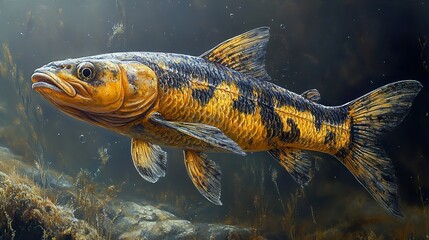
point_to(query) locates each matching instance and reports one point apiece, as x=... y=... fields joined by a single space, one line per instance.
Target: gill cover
x=140 y=85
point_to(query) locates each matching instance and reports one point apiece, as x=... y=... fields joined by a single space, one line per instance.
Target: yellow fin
x=149 y=159
x=205 y=174
x=244 y=53
x=297 y=162
x=373 y=115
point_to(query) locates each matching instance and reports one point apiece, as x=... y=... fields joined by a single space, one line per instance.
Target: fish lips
x=48 y=80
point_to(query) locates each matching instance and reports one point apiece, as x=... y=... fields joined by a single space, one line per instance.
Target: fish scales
x=222 y=91
x=222 y=101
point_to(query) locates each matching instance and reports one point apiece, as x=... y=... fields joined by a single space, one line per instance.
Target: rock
x=136 y=221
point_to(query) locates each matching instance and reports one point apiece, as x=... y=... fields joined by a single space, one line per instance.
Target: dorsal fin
x=244 y=53
x=312 y=95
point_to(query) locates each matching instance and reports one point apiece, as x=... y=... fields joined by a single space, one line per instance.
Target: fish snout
x=45 y=78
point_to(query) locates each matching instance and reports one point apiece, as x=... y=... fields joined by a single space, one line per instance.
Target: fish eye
x=86 y=71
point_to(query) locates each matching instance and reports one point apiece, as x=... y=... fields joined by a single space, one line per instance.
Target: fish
x=225 y=101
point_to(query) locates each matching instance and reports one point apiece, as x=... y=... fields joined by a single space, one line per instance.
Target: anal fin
x=149 y=159
x=205 y=174
x=297 y=162
x=206 y=133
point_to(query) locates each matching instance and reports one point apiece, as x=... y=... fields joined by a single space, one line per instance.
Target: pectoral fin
x=149 y=159
x=312 y=95
x=206 y=133
x=205 y=174
x=297 y=163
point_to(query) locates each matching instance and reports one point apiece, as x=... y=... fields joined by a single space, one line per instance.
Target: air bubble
x=82 y=139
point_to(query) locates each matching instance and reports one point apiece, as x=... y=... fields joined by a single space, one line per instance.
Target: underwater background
x=342 y=48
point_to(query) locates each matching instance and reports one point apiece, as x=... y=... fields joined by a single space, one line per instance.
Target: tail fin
x=372 y=115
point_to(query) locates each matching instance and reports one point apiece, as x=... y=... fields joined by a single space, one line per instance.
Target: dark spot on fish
x=114 y=73
x=273 y=123
x=293 y=134
x=329 y=137
x=269 y=117
x=132 y=81
x=170 y=79
x=96 y=82
x=131 y=78
x=244 y=105
x=245 y=102
x=203 y=95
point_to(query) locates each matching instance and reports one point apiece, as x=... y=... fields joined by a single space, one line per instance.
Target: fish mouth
x=48 y=80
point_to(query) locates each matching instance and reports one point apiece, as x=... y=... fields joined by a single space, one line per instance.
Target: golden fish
x=222 y=101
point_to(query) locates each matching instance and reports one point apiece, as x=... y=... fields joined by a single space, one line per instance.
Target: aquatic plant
x=42 y=169
x=25 y=213
x=274 y=179
x=91 y=201
x=9 y=61
x=21 y=134
x=289 y=219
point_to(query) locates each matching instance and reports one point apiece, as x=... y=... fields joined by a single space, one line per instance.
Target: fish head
x=97 y=88
x=89 y=85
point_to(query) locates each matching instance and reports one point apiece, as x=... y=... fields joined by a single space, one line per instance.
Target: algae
x=25 y=214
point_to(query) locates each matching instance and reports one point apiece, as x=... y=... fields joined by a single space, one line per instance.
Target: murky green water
x=342 y=48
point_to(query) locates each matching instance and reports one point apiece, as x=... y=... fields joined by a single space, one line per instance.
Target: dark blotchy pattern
x=293 y=134
x=180 y=69
x=330 y=137
x=245 y=102
x=203 y=95
x=244 y=105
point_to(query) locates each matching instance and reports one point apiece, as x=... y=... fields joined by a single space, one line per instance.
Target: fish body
x=222 y=101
